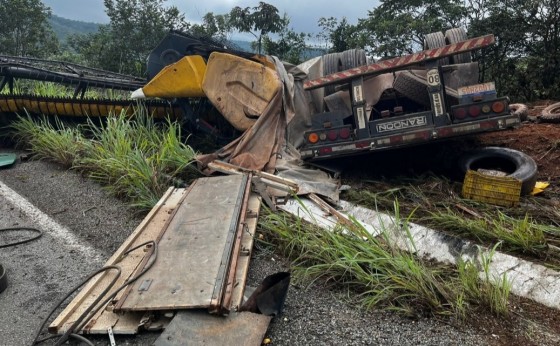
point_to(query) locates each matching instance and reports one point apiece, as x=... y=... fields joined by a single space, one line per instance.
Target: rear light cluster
x=476 y=110
x=332 y=135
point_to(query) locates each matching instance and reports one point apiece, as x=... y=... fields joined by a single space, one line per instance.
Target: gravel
x=46 y=272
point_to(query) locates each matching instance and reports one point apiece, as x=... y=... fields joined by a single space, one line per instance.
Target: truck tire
x=520 y=110
x=457 y=35
x=518 y=165
x=412 y=88
x=436 y=40
x=331 y=64
x=551 y=114
x=353 y=58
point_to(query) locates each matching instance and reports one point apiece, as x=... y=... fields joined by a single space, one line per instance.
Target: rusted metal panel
x=401 y=62
x=239 y=88
x=199 y=328
x=194 y=253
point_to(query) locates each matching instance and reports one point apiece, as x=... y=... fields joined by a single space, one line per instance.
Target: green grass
x=57 y=142
x=520 y=235
x=136 y=159
x=50 y=89
x=381 y=275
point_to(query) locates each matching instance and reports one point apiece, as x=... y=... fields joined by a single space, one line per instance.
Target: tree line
x=524 y=62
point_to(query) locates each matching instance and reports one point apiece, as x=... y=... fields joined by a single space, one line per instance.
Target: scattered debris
x=203 y=237
x=7 y=159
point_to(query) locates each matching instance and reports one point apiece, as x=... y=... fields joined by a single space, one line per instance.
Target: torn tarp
x=269 y=145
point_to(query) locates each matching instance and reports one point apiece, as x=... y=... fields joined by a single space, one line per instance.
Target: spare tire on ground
x=519 y=109
x=551 y=113
x=516 y=164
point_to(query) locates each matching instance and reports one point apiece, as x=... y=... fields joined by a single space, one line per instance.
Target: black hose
x=84 y=318
x=39 y=235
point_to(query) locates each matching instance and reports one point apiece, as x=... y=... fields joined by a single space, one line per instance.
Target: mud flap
x=268 y=299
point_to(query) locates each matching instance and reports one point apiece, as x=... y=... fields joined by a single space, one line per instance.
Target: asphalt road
x=83 y=226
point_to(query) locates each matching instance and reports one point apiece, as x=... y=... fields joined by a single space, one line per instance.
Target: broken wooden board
x=149 y=229
x=247 y=241
x=195 y=250
x=199 y=328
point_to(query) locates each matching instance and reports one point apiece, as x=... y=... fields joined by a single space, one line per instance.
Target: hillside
x=64 y=27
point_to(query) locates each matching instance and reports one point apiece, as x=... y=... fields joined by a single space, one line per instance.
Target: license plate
x=477 y=89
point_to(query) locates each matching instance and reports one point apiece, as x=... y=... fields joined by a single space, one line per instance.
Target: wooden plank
x=247 y=242
x=194 y=252
x=267 y=178
x=149 y=228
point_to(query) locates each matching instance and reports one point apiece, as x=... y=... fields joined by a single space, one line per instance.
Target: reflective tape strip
x=395 y=63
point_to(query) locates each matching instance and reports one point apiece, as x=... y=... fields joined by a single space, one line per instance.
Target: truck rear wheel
x=332 y=63
x=457 y=35
x=516 y=164
x=353 y=58
x=436 y=40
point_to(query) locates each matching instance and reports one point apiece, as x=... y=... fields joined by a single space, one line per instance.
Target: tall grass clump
x=521 y=235
x=135 y=158
x=380 y=274
x=58 y=142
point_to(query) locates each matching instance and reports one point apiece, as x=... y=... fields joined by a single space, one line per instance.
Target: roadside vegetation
x=531 y=230
x=380 y=275
x=136 y=159
x=50 y=89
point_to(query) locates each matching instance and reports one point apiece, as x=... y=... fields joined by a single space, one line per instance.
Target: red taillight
x=344 y=133
x=332 y=135
x=498 y=106
x=474 y=111
x=459 y=113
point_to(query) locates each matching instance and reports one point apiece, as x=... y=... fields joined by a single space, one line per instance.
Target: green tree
x=340 y=36
x=525 y=60
x=135 y=28
x=290 y=45
x=398 y=27
x=216 y=26
x=258 y=21
x=25 y=30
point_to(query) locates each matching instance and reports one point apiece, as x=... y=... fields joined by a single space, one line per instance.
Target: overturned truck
x=349 y=106
x=334 y=105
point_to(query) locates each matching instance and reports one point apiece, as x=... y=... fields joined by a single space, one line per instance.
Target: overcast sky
x=303 y=14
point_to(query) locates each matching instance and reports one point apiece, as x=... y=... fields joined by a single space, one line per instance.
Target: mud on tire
x=551 y=114
x=520 y=110
x=518 y=165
